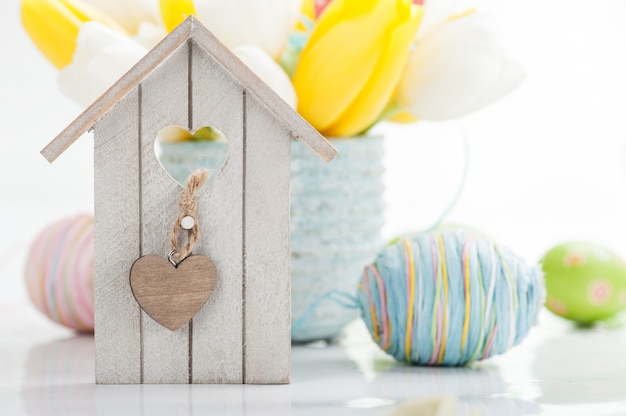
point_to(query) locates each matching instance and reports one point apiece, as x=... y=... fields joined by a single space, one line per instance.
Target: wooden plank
x=102 y=105
x=164 y=102
x=116 y=183
x=217 y=100
x=299 y=128
x=267 y=314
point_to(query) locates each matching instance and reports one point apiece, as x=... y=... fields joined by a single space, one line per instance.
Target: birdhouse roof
x=191 y=29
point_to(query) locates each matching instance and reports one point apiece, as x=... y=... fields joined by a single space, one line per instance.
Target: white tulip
x=435 y=12
x=269 y=71
x=457 y=67
x=129 y=13
x=265 y=23
x=101 y=57
x=149 y=34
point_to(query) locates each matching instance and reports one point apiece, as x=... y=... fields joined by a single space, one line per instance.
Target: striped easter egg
x=449 y=297
x=59 y=272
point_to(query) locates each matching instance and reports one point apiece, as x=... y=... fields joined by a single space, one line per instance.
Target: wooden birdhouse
x=242 y=333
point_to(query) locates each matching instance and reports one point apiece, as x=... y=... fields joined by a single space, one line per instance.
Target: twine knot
x=189 y=208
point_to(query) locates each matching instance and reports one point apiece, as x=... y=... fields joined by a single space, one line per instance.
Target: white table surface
x=558 y=370
x=547 y=165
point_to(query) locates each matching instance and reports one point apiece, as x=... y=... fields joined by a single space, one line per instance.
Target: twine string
x=189 y=208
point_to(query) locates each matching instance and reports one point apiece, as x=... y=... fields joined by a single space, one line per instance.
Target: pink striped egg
x=59 y=272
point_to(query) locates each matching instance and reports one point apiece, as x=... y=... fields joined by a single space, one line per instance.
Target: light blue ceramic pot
x=336 y=221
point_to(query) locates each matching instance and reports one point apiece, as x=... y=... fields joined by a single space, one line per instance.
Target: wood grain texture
x=267 y=297
x=116 y=177
x=242 y=333
x=299 y=127
x=172 y=296
x=117 y=91
x=164 y=102
x=217 y=100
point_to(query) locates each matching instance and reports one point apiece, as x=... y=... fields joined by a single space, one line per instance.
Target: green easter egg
x=585 y=282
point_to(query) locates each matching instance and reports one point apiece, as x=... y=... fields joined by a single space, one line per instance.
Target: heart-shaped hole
x=180 y=152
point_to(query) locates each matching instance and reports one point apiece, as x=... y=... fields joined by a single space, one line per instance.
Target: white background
x=547 y=163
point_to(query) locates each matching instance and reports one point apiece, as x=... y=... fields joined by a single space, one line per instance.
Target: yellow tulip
x=307 y=9
x=53 y=26
x=350 y=66
x=403 y=117
x=174 y=12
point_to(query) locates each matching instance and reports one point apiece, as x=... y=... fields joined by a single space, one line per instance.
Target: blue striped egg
x=449 y=298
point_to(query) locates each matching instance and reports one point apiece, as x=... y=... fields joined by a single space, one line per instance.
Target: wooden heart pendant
x=172 y=296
